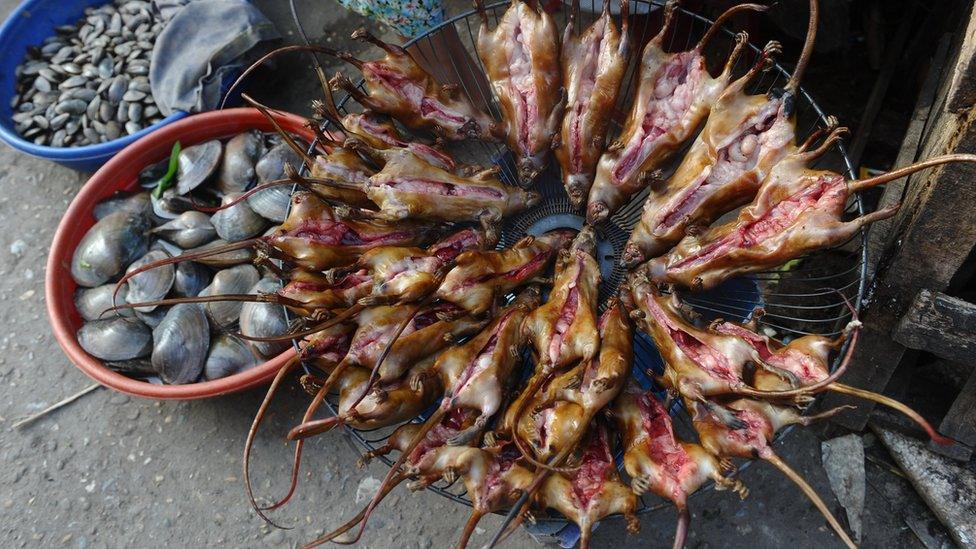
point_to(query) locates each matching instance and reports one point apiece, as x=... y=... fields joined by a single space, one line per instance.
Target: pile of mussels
x=187 y=342
x=89 y=83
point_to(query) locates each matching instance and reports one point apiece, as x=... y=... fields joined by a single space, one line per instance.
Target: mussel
x=189 y=230
x=115 y=338
x=229 y=355
x=238 y=222
x=153 y=284
x=109 y=247
x=237 y=167
x=191 y=279
x=235 y=280
x=197 y=164
x=264 y=320
x=273 y=203
x=92 y=302
x=133 y=203
x=180 y=344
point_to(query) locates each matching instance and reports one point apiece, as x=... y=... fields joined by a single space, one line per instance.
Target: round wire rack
x=806 y=296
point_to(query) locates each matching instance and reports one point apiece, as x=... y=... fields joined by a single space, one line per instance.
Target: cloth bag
x=204 y=43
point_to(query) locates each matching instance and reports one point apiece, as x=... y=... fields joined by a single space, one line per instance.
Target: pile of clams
x=188 y=342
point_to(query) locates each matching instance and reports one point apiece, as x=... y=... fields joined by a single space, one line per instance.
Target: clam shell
x=264 y=320
x=109 y=247
x=137 y=203
x=229 y=355
x=273 y=203
x=191 y=279
x=152 y=318
x=239 y=222
x=150 y=285
x=235 y=280
x=92 y=302
x=189 y=230
x=197 y=164
x=115 y=338
x=180 y=344
x=237 y=167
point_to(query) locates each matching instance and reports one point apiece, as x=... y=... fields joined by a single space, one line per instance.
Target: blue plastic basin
x=29 y=25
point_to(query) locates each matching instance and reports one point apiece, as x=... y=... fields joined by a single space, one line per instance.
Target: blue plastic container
x=29 y=25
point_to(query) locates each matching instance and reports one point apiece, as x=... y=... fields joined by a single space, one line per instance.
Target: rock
x=367 y=488
x=843 y=460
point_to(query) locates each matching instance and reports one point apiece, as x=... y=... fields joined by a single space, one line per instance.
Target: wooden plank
x=942 y=325
x=931 y=238
x=948 y=488
x=960 y=420
x=910 y=147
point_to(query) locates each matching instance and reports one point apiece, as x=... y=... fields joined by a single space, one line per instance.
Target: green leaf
x=167 y=180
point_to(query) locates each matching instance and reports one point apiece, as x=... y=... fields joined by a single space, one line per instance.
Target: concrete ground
x=110 y=470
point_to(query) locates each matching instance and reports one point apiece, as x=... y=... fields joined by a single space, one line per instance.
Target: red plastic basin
x=121 y=173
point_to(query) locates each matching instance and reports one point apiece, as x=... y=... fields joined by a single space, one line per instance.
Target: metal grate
x=808 y=298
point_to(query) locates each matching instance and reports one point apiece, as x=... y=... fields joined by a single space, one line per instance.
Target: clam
x=180 y=344
x=115 y=338
x=133 y=203
x=237 y=167
x=273 y=203
x=226 y=259
x=191 y=279
x=264 y=320
x=170 y=205
x=228 y=355
x=238 y=222
x=152 y=318
x=139 y=367
x=197 y=164
x=235 y=280
x=109 y=247
x=153 y=284
x=92 y=302
x=189 y=230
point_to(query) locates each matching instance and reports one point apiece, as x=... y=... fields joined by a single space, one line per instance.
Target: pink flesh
x=821 y=194
x=588 y=68
x=439 y=435
x=752 y=436
x=331 y=233
x=441 y=188
x=566 y=317
x=482 y=361
x=454 y=245
x=429 y=107
x=662 y=114
x=726 y=170
x=412 y=266
x=662 y=447
x=521 y=88
x=589 y=479
x=330 y=348
x=494 y=482
x=710 y=361
x=518 y=274
x=807 y=370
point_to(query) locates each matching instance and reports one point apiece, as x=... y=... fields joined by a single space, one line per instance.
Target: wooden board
x=930 y=240
x=942 y=325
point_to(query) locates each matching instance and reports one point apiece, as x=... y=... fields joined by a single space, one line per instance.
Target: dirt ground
x=115 y=471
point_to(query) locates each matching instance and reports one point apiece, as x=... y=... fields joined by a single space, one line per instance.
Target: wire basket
x=809 y=297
